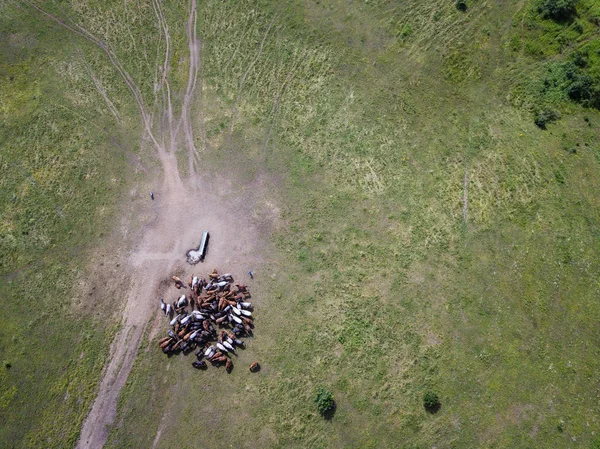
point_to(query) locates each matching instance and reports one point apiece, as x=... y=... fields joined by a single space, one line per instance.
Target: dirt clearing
x=178 y=225
x=183 y=208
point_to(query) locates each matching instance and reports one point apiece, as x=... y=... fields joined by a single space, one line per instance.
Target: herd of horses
x=209 y=320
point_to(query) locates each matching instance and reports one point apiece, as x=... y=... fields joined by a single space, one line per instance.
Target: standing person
x=250 y=274
x=152 y=195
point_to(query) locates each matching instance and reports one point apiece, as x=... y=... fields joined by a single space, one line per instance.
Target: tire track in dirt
x=194 y=52
x=163 y=237
x=98 y=85
x=78 y=29
x=163 y=243
x=164 y=82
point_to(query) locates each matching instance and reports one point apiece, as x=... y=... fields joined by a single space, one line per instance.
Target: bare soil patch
x=183 y=210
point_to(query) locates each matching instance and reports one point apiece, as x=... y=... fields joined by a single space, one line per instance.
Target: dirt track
x=178 y=221
x=178 y=225
x=162 y=251
x=178 y=218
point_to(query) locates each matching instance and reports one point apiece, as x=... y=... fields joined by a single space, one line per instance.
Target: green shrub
x=431 y=401
x=557 y=9
x=324 y=400
x=583 y=89
x=581 y=86
x=571 y=80
x=406 y=30
x=546 y=116
x=580 y=58
x=461 y=5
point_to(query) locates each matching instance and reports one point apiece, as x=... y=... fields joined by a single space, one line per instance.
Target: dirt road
x=178 y=226
x=178 y=222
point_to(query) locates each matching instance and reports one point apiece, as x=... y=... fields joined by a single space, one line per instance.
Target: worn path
x=179 y=220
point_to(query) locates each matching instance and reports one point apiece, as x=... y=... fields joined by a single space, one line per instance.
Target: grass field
x=65 y=167
x=428 y=235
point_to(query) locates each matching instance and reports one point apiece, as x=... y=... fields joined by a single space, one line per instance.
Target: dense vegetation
x=557 y=9
x=562 y=38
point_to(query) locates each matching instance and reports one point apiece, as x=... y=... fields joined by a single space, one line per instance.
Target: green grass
x=558 y=56
x=63 y=173
x=364 y=120
x=380 y=289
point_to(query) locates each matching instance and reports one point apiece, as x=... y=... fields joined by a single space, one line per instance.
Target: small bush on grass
x=431 y=401
x=546 y=116
x=324 y=400
x=461 y=5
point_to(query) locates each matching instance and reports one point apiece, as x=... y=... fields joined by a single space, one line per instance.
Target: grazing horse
x=229 y=347
x=182 y=301
x=178 y=282
x=166 y=343
x=219 y=360
x=216 y=355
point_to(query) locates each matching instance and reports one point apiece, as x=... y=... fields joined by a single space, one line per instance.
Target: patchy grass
x=381 y=284
x=432 y=237
x=62 y=176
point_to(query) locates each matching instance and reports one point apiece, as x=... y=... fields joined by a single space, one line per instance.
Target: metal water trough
x=203 y=244
x=196 y=255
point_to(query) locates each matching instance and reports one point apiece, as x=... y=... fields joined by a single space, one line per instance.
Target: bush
x=580 y=58
x=583 y=89
x=557 y=9
x=581 y=86
x=546 y=116
x=461 y=5
x=571 y=80
x=431 y=401
x=324 y=400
